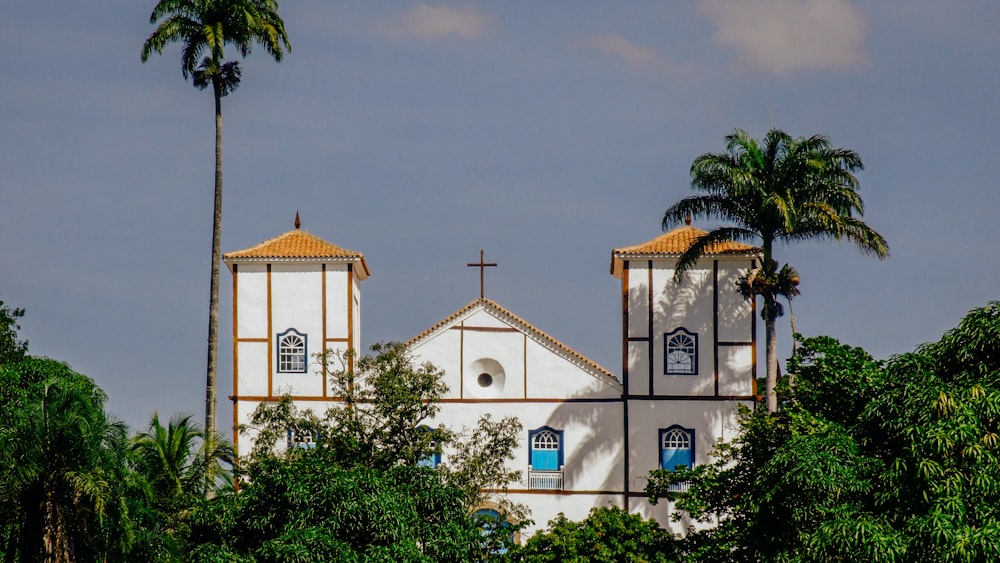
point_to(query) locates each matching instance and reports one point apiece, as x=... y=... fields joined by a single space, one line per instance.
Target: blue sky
x=419 y=133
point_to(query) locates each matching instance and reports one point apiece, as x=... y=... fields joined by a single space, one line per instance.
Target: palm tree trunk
x=213 y=300
x=770 y=332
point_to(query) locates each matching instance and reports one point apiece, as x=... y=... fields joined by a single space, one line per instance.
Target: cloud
x=435 y=22
x=780 y=36
x=634 y=55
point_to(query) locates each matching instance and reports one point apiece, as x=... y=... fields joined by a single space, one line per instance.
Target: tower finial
x=298 y=223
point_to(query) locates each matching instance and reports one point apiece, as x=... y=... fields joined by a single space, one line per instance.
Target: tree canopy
x=780 y=189
x=349 y=485
x=12 y=348
x=609 y=534
x=867 y=460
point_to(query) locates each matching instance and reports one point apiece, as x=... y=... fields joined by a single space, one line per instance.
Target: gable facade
x=589 y=436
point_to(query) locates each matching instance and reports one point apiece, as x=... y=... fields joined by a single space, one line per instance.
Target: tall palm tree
x=781 y=189
x=178 y=466
x=204 y=28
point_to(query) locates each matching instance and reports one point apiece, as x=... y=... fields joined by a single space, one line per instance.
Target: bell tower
x=294 y=296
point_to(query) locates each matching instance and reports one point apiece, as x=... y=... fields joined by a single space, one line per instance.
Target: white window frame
x=680 y=352
x=291 y=354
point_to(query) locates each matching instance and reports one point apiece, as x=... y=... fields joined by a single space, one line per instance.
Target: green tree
x=782 y=189
x=66 y=483
x=608 y=535
x=870 y=462
x=348 y=485
x=12 y=349
x=179 y=470
x=204 y=28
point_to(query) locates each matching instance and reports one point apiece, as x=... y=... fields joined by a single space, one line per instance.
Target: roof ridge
x=298 y=244
x=527 y=327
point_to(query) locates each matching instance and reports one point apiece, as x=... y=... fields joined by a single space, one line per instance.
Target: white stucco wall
x=251 y=300
x=336 y=301
x=710 y=420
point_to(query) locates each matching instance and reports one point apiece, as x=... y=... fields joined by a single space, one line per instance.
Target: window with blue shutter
x=676 y=448
x=545 y=449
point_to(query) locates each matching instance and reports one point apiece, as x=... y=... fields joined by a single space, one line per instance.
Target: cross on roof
x=482 y=265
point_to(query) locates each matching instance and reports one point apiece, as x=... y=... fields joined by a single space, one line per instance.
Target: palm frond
x=703 y=243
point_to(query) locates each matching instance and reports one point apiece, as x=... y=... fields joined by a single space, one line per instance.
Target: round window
x=485 y=380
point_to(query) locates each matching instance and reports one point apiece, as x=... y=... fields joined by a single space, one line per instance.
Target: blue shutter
x=431 y=461
x=670 y=458
x=544 y=460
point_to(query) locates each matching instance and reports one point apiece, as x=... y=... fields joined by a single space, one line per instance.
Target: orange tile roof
x=524 y=326
x=298 y=244
x=674 y=243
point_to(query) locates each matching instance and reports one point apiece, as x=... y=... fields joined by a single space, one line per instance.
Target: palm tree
x=782 y=189
x=178 y=466
x=66 y=477
x=204 y=28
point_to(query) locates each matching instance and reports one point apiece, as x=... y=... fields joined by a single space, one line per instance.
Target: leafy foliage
x=779 y=189
x=67 y=492
x=12 y=349
x=354 y=490
x=867 y=461
x=608 y=535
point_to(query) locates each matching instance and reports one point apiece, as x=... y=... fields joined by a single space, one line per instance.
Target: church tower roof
x=298 y=245
x=671 y=245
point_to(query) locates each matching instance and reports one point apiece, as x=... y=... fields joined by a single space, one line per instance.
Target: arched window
x=495 y=530
x=546 y=452
x=676 y=448
x=291 y=352
x=680 y=351
x=431 y=460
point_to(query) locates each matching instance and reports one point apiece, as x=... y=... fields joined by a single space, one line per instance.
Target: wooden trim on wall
x=524 y=345
x=270 y=337
x=322 y=344
x=514 y=400
x=690 y=397
x=625 y=444
x=535 y=400
x=625 y=375
x=276 y=398
x=236 y=357
x=350 y=318
x=483 y=328
x=252 y=340
x=341 y=339
x=551 y=492
x=649 y=322
x=625 y=335
x=715 y=324
x=461 y=361
x=753 y=337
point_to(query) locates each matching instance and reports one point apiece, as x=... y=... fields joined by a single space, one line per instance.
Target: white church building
x=590 y=435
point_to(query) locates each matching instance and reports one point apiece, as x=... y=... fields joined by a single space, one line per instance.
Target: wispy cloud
x=425 y=21
x=633 y=54
x=781 y=36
